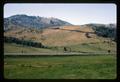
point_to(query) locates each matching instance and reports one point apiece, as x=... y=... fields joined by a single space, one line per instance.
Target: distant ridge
x=22 y=20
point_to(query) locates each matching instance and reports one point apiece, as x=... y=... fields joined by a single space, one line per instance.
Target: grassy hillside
x=64 y=67
x=97 y=48
x=15 y=48
x=75 y=39
x=65 y=35
x=78 y=38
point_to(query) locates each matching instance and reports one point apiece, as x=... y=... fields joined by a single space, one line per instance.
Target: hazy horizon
x=76 y=14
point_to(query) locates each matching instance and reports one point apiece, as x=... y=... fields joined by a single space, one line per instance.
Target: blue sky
x=74 y=13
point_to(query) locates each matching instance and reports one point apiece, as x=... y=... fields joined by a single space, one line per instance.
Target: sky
x=76 y=14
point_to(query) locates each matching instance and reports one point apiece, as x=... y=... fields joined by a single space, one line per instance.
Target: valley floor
x=63 y=67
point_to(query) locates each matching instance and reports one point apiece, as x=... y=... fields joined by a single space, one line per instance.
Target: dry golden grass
x=66 y=35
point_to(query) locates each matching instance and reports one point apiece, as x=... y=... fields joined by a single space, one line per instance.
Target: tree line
x=108 y=31
x=23 y=42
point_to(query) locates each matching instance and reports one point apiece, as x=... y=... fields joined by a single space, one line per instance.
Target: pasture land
x=60 y=67
x=86 y=47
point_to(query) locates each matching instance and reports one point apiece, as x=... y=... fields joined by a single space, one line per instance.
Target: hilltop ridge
x=32 y=22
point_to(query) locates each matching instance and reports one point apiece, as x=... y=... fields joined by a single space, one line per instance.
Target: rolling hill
x=58 y=34
x=74 y=37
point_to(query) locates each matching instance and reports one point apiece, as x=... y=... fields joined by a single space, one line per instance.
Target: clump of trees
x=105 y=32
x=108 y=31
x=23 y=42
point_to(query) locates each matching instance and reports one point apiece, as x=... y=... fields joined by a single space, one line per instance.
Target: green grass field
x=15 y=48
x=96 y=47
x=60 y=67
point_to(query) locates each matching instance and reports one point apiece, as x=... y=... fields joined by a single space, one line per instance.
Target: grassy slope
x=77 y=41
x=72 y=67
x=55 y=37
x=94 y=47
x=98 y=47
x=15 y=48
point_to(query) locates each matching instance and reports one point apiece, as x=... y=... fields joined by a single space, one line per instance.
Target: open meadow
x=60 y=41
x=60 y=67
